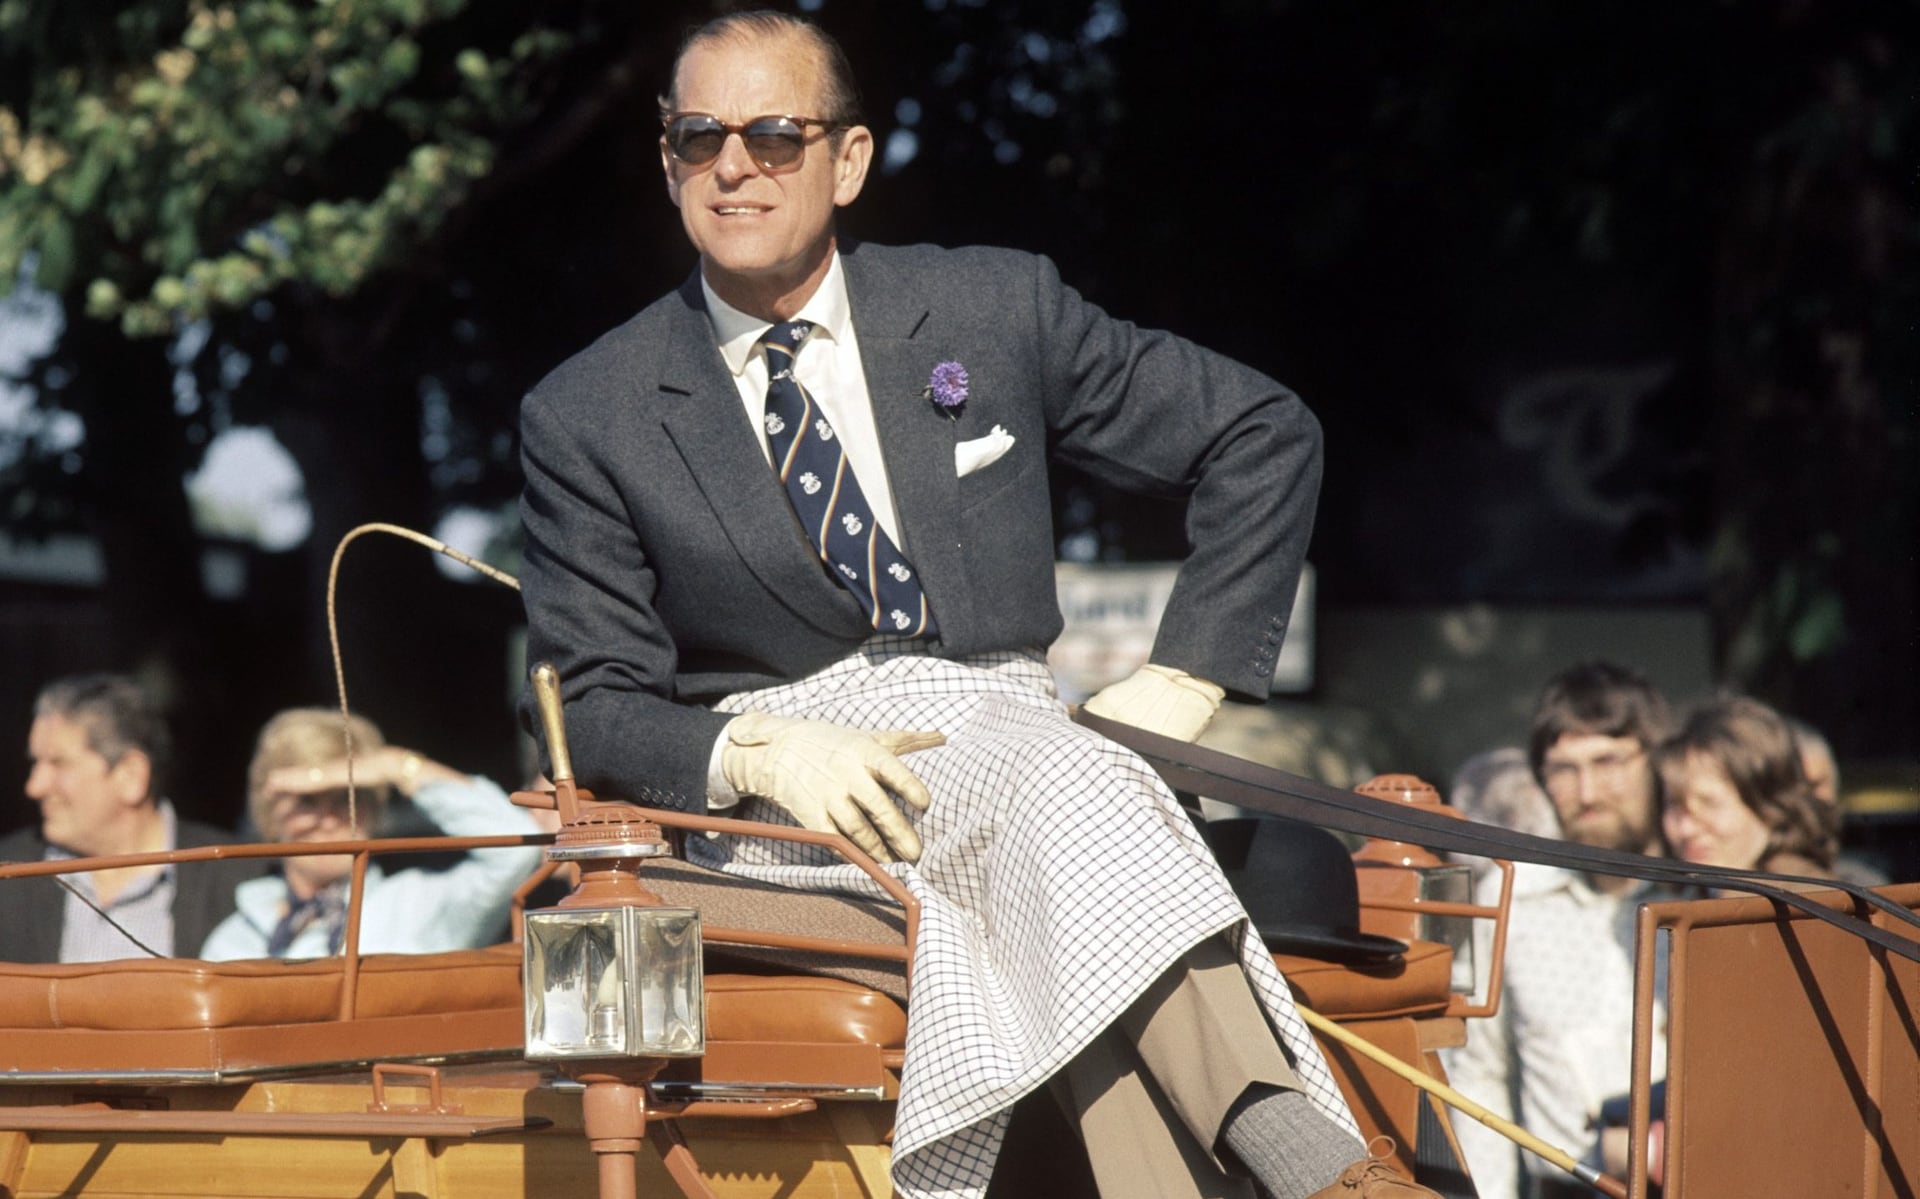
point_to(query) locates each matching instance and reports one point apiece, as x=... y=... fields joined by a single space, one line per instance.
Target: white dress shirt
x=1562 y=1041
x=828 y=366
x=143 y=911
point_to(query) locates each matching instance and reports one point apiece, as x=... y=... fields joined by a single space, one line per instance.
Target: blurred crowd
x=99 y=775
x=1728 y=782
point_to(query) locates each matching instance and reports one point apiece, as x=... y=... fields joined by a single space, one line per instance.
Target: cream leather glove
x=1160 y=700
x=832 y=779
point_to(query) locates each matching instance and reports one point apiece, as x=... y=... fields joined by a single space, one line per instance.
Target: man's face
x=1706 y=821
x=1602 y=788
x=83 y=798
x=764 y=236
x=314 y=818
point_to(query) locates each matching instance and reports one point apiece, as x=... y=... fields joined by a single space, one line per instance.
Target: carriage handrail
x=1463 y=1005
x=362 y=851
x=1875 y=983
x=692 y=822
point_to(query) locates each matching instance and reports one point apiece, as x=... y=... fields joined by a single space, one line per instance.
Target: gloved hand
x=1160 y=700
x=831 y=779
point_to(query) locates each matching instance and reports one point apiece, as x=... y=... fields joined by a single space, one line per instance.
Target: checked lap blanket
x=1058 y=878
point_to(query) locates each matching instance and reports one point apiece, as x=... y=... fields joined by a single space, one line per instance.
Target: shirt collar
x=738 y=333
x=60 y=853
x=145 y=887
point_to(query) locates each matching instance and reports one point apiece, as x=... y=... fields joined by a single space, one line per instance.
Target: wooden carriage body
x=1793 y=1052
x=1794 y=1060
x=401 y=1075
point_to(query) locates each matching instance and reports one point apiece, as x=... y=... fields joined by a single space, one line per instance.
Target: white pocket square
x=969 y=456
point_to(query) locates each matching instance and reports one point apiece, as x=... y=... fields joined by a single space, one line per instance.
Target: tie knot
x=786 y=335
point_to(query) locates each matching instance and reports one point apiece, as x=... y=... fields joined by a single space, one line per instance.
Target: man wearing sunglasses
x=788 y=543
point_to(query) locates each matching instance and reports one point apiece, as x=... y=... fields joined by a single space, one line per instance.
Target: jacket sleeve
x=1155 y=414
x=466 y=904
x=588 y=587
x=240 y=935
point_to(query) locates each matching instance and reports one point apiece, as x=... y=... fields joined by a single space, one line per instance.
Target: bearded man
x=1562 y=1041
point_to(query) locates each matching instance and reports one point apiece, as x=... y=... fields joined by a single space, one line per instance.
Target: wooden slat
x=13 y=1160
x=263 y=1124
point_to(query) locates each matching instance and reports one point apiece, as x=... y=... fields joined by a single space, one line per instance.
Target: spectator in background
x=1562 y=1040
x=1733 y=793
x=1822 y=768
x=1499 y=788
x=100 y=752
x=297 y=791
x=1817 y=762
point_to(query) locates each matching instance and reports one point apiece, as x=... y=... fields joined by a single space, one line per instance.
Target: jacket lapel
x=890 y=315
x=701 y=412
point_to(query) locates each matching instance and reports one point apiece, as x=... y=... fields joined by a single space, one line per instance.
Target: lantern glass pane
x=614 y=982
x=1450 y=884
x=667 y=944
x=575 y=989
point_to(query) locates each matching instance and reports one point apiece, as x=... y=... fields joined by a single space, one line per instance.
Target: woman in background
x=1733 y=793
x=297 y=791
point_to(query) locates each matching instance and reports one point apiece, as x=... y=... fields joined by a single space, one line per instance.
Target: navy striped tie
x=827 y=498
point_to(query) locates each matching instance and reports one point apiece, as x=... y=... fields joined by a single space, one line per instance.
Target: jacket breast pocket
x=1019 y=469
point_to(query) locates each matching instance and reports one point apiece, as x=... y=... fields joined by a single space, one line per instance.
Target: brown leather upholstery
x=171 y=998
x=745 y=1007
x=189 y=1015
x=1416 y=985
x=178 y=993
x=1793 y=1052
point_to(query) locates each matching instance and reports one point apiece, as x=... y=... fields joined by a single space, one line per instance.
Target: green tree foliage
x=180 y=159
x=240 y=207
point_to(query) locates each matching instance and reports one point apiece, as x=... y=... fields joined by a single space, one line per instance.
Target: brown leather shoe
x=1373 y=1178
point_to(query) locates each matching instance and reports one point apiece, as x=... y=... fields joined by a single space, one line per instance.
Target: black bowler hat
x=1298 y=884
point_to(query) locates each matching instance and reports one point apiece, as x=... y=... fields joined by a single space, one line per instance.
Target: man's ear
x=132 y=778
x=850 y=165
x=666 y=168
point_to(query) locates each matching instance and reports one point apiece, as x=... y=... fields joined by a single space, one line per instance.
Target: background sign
x=1113 y=609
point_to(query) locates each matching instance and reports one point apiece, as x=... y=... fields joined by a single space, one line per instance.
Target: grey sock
x=1291 y=1148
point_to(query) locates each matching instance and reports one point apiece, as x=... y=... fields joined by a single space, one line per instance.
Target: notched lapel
x=918 y=442
x=700 y=411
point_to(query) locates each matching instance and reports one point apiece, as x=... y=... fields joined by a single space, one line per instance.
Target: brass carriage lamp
x=1408 y=892
x=611 y=971
x=613 y=980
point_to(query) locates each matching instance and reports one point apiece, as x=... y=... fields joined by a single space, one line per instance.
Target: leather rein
x=1223 y=777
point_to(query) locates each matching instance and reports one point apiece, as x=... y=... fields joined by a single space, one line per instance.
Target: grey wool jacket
x=664 y=567
x=33 y=910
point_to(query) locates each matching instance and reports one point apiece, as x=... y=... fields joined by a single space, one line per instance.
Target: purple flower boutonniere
x=947 y=388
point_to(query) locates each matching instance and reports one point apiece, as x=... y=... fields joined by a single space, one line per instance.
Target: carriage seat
x=1419 y=984
x=174 y=1015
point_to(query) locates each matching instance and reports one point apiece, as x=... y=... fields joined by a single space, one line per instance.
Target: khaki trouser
x=1151 y=1092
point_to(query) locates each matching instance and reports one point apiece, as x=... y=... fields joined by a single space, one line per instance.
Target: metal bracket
x=434 y=1105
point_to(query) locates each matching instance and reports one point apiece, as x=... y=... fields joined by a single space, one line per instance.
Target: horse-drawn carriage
x=567 y=1063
